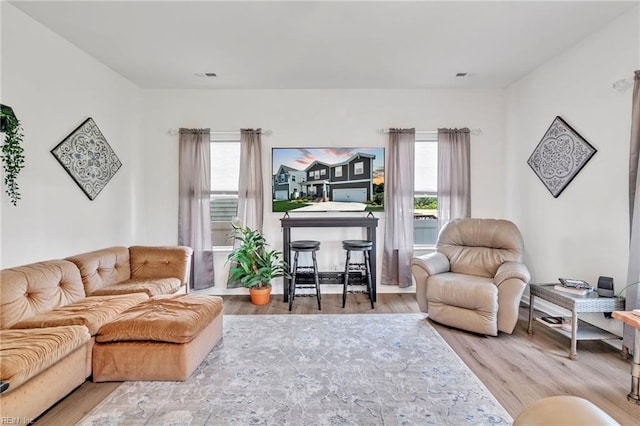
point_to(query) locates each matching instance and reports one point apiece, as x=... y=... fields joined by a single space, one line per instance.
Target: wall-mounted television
x=327 y=179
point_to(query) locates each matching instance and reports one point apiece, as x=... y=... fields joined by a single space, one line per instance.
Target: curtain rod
x=432 y=132
x=265 y=132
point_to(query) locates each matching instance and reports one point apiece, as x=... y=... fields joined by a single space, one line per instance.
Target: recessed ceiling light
x=461 y=74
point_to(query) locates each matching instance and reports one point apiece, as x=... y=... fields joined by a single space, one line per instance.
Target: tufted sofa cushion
x=154 y=262
x=172 y=319
x=26 y=353
x=33 y=289
x=92 y=312
x=479 y=246
x=151 y=287
x=103 y=268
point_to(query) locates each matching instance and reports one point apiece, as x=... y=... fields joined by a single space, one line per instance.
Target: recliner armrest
x=432 y=263
x=512 y=270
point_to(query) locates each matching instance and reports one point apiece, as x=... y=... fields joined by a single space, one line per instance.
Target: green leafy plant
x=12 y=153
x=252 y=263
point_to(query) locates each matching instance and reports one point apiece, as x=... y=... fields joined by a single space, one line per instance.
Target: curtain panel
x=250 y=188
x=194 y=210
x=399 y=202
x=632 y=300
x=454 y=174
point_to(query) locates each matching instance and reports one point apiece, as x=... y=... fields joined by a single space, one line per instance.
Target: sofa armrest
x=432 y=263
x=512 y=270
x=160 y=262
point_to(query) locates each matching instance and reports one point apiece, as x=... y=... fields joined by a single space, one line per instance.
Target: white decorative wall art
x=88 y=158
x=560 y=156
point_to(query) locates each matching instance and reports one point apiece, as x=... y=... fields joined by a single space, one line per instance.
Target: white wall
x=53 y=87
x=584 y=232
x=316 y=118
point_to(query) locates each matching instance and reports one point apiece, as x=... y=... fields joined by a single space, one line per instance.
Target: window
x=323 y=172
x=339 y=171
x=311 y=175
x=225 y=172
x=425 y=223
x=293 y=178
x=358 y=168
x=317 y=174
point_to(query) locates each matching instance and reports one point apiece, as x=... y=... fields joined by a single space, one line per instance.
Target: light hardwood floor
x=518 y=369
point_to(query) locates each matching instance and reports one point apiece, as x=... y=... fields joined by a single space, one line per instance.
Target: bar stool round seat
x=364 y=246
x=304 y=246
x=357 y=245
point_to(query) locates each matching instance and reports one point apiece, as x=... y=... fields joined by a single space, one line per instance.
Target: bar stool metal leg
x=292 y=283
x=316 y=278
x=346 y=279
x=367 y=262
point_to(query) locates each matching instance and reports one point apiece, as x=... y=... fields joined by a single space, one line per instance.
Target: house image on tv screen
x=331 y=176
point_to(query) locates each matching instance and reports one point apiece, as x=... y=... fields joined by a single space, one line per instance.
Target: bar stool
x=304 y=246
x=365 y=247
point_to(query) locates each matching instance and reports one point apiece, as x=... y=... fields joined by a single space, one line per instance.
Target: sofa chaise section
x=46 y=323
x=121 y=270
x=41 y=366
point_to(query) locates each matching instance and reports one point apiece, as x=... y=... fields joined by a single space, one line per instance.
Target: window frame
x=358 y=166
x=426 y=138
x=226 y=138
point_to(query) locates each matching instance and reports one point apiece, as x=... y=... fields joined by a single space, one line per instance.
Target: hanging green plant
x=12 y=152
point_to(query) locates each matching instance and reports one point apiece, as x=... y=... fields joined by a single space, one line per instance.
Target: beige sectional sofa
x=50 y=312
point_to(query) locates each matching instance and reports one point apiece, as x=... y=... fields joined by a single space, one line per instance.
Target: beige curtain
x=633 y=275
x=250 y=187
x=194 y=213
x=398 y=194
x=454 y=174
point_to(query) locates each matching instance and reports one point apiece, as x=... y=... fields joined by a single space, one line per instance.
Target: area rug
x=357 y=369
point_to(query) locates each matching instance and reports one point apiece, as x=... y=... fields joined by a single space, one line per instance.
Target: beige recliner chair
x=475 y=279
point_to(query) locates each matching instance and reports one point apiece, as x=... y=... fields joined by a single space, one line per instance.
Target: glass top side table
x=576 y=304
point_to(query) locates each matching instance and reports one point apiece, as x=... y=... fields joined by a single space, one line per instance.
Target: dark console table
x=369 y=222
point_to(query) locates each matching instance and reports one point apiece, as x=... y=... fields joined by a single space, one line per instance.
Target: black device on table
x=605 y=289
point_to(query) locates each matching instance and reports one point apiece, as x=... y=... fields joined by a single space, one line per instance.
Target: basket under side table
x=576 y=304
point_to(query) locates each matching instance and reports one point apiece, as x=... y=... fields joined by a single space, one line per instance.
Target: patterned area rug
x=371 y=369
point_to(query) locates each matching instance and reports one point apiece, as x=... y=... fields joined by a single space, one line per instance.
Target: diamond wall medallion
x=88 y=158
x=560 y=156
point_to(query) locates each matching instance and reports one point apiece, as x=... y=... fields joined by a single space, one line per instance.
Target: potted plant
x=253 y=265
x=12 y=152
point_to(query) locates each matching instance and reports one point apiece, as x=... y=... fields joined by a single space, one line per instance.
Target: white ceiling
x=322 y=44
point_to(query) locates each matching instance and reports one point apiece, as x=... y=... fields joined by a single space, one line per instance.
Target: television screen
x=327 y=179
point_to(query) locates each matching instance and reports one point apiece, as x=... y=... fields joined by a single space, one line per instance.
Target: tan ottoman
x=163 y=338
